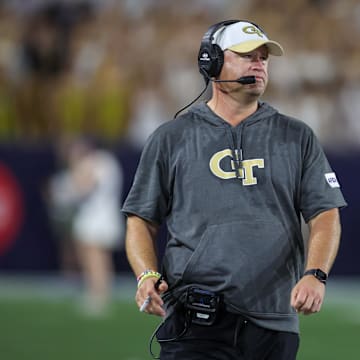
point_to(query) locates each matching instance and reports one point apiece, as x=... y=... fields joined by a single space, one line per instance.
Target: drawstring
x=236 y=151
x=241 y=144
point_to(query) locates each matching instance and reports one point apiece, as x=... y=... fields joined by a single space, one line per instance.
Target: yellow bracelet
x=147 y=271
x=146 y=275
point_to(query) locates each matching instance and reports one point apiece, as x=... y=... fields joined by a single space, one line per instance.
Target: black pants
x=230 y=338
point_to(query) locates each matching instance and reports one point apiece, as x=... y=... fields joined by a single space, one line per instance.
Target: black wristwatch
x=318 y=273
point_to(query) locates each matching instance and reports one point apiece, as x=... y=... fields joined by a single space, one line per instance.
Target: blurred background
x=106 y=74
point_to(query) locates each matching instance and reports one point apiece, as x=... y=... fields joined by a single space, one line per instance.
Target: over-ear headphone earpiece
x=211 y=56
x=211 y=60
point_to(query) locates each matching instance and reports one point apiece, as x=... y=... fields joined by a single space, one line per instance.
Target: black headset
x=211 y=56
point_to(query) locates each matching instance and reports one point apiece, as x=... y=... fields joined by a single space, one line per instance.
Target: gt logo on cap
x=252 y=30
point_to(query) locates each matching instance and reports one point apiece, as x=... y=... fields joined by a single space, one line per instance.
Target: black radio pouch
x=202 y=306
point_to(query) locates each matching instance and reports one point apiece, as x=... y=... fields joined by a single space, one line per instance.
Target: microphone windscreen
x=245 y=80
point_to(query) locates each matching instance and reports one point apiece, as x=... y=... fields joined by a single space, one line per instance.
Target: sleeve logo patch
x=332 y=180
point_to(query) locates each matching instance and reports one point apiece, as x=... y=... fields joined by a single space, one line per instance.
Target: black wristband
x=318 y=273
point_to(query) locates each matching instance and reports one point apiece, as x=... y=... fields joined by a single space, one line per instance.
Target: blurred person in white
x=89 y=192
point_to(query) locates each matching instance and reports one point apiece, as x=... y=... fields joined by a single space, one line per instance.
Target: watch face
x=320 y=274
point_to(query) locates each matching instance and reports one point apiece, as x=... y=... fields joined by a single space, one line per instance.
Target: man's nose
x=258 y=61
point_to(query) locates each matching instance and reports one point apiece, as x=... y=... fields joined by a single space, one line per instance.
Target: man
x=232 y=178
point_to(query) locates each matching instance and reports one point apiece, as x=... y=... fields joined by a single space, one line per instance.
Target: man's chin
x=255 y=92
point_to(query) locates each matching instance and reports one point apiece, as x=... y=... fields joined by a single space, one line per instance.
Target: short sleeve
x=320 y=188
x=148 y=197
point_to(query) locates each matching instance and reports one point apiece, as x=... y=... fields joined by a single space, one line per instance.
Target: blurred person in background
x=45 y=58
x=232 y=178
x=85 y=205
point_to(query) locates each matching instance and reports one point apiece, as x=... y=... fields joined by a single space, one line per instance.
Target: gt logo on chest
x=239 y=169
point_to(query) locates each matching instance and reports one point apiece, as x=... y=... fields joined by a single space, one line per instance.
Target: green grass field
x=54 y=329
x=36 y=330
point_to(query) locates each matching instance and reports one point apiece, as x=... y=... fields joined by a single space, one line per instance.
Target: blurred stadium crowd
x=119 y=68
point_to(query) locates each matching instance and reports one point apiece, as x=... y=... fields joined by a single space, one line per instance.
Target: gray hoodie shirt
x=232 y=199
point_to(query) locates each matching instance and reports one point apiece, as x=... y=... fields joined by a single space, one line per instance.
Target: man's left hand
x=308 y=295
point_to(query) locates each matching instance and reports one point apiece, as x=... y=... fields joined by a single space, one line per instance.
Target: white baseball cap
x=244 y=37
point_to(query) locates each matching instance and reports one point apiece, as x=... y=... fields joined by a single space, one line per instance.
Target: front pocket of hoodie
x=251 y=263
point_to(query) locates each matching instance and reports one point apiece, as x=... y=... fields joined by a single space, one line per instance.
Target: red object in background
x=11 y=208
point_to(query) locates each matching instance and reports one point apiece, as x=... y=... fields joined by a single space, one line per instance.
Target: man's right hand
x=146 y=289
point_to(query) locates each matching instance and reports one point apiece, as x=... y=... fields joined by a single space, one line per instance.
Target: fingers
x=313 y=308
x=155 y=308
x=308 y=295
x=162 y=287
x=308 y=305
x=148 y=298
